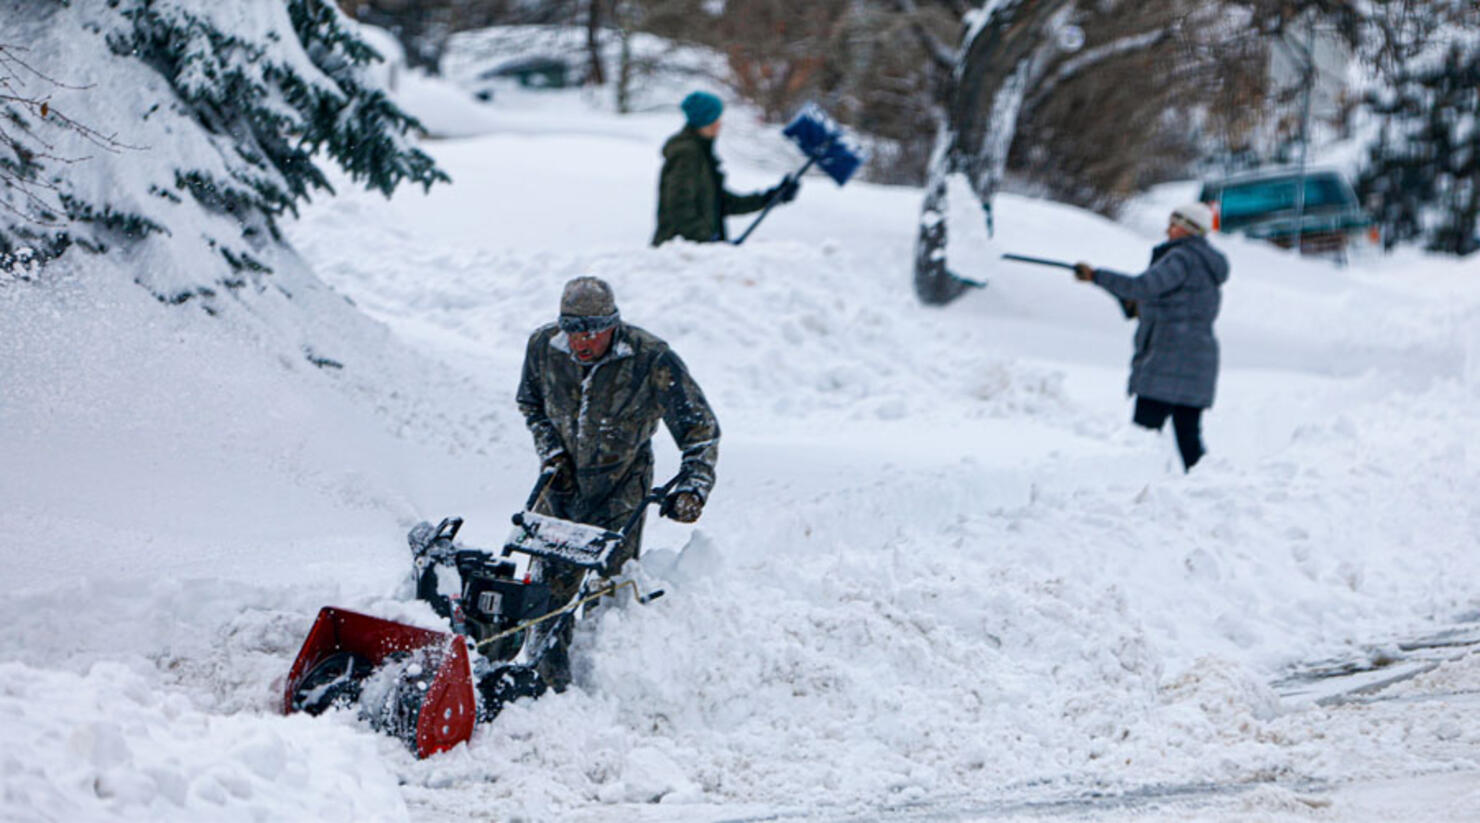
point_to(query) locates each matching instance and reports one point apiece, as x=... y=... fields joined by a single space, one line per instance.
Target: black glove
x=685 y=507
x=786 y=190
x=565 y=472
x=1084 y=272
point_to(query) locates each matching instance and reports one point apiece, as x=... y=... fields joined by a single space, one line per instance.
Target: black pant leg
x=1187 y=423
x=1150 y=413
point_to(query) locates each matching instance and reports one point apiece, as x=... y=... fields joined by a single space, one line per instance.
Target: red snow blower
x=428 y=688
x=425 y=695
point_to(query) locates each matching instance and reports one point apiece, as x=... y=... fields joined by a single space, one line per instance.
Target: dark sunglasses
x=579 y=324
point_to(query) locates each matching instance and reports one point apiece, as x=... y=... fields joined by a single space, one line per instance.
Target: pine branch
x=39 y=197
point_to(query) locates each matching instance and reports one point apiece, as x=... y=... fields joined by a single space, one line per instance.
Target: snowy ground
x=941 y=578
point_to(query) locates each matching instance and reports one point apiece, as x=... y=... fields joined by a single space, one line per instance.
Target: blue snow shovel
x=823 y=141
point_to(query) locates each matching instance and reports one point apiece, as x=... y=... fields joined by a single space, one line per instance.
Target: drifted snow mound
x=791 y=332
x=140 y=753
x=938 y=565
x=167 y=433
x=183 y=492
x=938 y=562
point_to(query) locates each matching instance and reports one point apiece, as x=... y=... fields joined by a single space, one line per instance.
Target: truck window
x=1266 y=196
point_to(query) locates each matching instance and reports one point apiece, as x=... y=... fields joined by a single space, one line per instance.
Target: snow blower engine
x=429 y=688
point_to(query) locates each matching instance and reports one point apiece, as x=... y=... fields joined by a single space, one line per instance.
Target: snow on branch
x=1090 y=57
x=30 y=131
x=225 y=114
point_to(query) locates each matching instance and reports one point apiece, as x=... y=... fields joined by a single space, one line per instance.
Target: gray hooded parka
x=1178 y=297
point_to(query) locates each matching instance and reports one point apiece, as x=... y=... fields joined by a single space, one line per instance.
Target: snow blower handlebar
x=656 y=495
x=546 y=535
x=541 y=485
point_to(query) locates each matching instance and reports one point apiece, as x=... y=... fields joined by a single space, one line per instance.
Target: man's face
x=1175 y=230
x=588 y=347
x=712 y=130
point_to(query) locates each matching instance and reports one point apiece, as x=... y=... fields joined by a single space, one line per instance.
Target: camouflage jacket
x=604 y=416
x=692 y=199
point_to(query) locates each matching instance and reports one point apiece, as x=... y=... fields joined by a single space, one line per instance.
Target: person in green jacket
x=593 y=392
x=692 y=199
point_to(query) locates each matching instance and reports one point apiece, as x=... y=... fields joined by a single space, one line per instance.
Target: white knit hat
x=1195 y=217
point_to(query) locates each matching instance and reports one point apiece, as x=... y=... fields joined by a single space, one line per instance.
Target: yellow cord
x=611 y=589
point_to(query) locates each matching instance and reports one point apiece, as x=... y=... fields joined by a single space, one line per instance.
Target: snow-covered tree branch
x=207 y=122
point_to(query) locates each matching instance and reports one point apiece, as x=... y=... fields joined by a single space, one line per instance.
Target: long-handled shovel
x=824 y=144
x=1127 y=307
x=1020 y=258
x=1039 y=261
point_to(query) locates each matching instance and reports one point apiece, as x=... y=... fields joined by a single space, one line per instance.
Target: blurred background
x=1381 y=93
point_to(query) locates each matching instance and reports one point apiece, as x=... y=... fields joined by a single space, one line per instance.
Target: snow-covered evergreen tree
x=177 y=132
x=1423 y=175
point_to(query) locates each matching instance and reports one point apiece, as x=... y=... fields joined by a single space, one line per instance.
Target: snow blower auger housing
x=428 y=688
x=412 y=683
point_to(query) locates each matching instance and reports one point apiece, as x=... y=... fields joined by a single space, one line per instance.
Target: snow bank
x=127 y=751
x=939 y=560
x=939 y=571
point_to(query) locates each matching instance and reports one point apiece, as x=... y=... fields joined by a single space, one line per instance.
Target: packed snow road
x=941 y=577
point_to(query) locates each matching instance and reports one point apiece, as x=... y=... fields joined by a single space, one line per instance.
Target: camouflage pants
x=565 y=579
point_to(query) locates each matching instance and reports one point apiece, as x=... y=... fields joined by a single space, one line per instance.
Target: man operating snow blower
x=592 y=393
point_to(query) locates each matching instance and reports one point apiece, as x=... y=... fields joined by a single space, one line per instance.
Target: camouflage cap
x=587 y=305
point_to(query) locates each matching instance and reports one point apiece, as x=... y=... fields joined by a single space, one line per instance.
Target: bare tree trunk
x=993 y=72
x=595 y=71
x=624 y=57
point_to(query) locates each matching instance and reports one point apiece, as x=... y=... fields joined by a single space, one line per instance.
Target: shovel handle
x=1038 y=261
x=775 y=198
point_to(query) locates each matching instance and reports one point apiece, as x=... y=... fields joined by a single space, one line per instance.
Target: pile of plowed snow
x=939 y=564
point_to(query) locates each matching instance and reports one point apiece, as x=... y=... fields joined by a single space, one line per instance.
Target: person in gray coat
x=1174 y=370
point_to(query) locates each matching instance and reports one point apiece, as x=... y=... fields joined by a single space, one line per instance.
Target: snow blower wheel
x=333 y=682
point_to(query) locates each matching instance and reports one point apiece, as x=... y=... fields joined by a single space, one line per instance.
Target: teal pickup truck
x=1267 y=205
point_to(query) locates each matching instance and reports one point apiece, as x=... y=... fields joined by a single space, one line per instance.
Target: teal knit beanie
x=701 y=108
